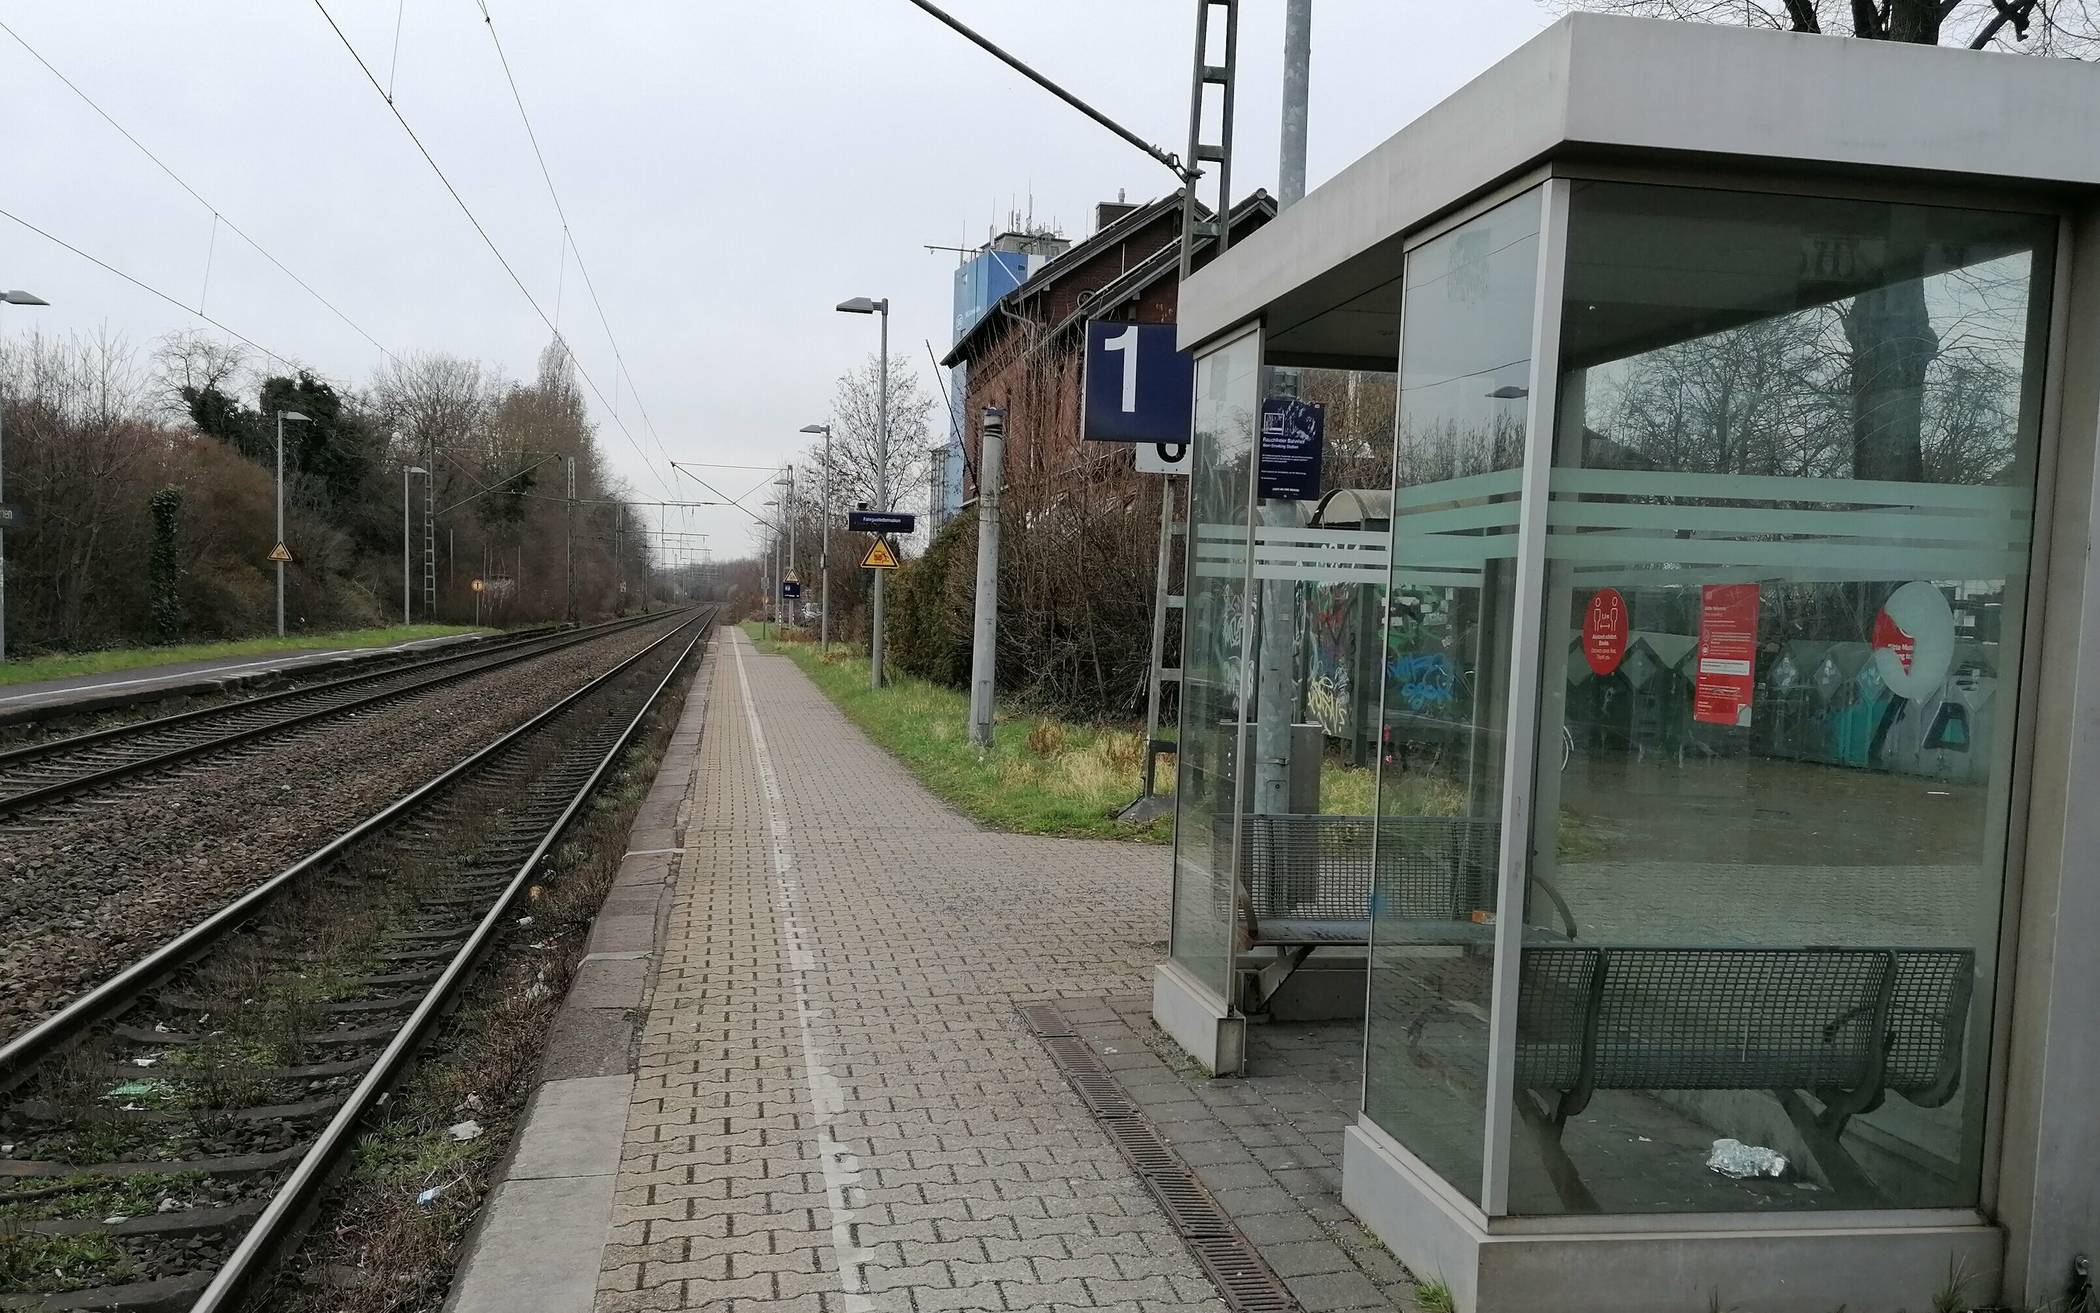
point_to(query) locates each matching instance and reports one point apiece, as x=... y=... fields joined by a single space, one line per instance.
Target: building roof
x=1063 y=265
x=1648 y=91
x=1165 y=262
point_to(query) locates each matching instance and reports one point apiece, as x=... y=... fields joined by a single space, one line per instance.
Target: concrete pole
x=280 y=522
x=1276 y=696
x=824 y=553
x=984 y=651
x=1297 y=98
x=795 y=611
x=882 y=486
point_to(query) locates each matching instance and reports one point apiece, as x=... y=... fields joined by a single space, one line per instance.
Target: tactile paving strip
x=1234 y=1265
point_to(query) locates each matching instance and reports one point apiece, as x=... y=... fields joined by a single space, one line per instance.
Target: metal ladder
x=430 y=578
x=1206 y=150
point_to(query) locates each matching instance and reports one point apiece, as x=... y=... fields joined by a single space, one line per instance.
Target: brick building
x=1025 y=355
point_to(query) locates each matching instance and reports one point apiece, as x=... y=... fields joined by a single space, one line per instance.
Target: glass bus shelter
x=1637 y=726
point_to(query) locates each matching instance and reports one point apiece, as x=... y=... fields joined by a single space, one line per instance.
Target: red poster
x=1604 y=631
x=1727 y=654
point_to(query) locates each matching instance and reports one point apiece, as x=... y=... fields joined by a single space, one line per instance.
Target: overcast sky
x=730 y=171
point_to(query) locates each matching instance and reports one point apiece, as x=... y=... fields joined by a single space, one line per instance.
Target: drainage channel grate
x=1241 y=1277
x=1234 y=1265
x=1045 y=1019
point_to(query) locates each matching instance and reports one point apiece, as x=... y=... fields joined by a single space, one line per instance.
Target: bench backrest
x=1812 y=1018
x=1425 y=867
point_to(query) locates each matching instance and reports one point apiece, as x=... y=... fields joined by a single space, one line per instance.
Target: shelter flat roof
x=1693 y=94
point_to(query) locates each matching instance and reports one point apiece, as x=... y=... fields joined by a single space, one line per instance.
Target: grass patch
x=65 y=665
x=100 y=1196
x=1042 y=776
x=1435 y=1297
x=53 y=1263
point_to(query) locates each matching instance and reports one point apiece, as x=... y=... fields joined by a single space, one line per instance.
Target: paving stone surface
x=1267 y=1144
x=836 y=1108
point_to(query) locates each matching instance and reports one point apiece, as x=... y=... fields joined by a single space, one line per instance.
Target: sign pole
x=984 y=652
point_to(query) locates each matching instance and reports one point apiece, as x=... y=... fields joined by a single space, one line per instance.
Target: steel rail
x=506 y=655
x=23 y=1050
x=284 y=1208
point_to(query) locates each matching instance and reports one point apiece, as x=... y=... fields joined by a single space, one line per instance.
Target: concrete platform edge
x=542 y=1228
x=206 y=683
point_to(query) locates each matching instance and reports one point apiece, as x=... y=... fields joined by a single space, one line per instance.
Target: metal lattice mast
x=430 y=566
x=1210 y=144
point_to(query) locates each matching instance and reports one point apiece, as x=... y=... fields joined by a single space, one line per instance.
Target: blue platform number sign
x=1138 y=387
x=1293 y=435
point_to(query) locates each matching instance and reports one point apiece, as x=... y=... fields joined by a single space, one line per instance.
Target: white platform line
x=842 y=1179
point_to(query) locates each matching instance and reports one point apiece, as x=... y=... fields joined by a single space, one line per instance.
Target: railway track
x=45 y=772
x=162 y=1136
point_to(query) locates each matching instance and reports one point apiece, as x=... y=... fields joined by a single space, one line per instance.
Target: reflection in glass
x=1464 y=375
x=1214 y=659
x=1786 y=567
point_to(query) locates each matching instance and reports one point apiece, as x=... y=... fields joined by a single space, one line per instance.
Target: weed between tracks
x=375 y=1248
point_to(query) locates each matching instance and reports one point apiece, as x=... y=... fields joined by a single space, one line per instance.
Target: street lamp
x=16 y=297
x=861 y=305
x=406 y=470
x=824 y=551
x=278 y=553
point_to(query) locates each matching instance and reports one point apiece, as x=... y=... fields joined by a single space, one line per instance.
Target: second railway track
x=164 y=1133
x=47 y=771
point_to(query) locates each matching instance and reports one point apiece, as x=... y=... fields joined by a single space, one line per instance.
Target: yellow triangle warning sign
x=879 y=557
x=278 y=553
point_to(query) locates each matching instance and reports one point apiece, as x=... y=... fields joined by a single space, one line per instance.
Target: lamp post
x=824 y=544
x=861 y=305
x=16 y=297
x=282 y=416
x=795 y=611
x=406 y=470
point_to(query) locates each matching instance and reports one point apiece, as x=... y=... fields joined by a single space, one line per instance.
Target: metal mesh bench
x=1844 y=1026
x=1311 y=881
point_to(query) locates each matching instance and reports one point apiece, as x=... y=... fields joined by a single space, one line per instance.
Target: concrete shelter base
x=1202 y=1025
x=1798 y=1263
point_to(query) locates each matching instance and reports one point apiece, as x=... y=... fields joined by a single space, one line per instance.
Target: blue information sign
x=791 y=588
x=1293 y=433
x=1138 y=388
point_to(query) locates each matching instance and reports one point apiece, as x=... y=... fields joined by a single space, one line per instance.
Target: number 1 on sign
x=1127 y=343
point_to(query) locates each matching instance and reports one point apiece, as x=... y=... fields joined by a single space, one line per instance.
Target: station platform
x=832 y=1102
x=79 y=694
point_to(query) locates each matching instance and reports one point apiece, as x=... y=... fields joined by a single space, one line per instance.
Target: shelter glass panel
x=1214 y=660
x=1786 y=571
x=1469 y=311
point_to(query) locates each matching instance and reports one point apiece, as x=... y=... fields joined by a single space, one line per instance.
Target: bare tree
x=854 y=431
x=2048 y=27
x=189 y=361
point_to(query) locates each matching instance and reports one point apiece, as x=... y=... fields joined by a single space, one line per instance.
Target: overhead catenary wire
x=482 y=232
x=218 y=216
x=727 y=500
x=568 y=235
x=149 y=288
